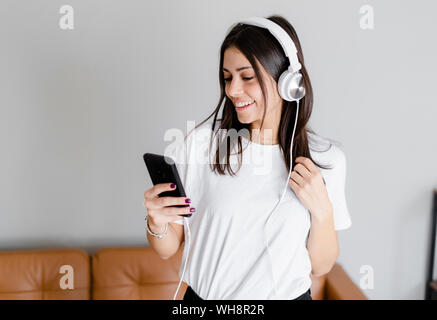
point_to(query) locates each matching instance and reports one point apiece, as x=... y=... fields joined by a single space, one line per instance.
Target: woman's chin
x=246 y=114
x=244 y=119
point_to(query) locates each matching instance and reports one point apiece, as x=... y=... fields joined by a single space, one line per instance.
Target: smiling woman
x=225 y=255
x=251 y=61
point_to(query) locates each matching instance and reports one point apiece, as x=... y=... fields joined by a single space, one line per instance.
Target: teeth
x=242 y=104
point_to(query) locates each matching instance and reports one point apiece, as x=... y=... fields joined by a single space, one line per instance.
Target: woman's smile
x=238 y=109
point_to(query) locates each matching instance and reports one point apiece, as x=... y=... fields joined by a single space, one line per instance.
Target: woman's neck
x=269 y=133
x=264 y=136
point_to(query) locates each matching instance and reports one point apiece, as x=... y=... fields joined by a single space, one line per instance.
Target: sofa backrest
x=44 y=274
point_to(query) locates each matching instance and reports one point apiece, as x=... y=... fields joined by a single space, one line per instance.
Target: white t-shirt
x=228 y=257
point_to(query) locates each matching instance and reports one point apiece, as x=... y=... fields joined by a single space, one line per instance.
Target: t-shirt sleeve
x=336 y=187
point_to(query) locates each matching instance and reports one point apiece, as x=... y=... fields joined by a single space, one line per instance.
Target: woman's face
x=241 y=85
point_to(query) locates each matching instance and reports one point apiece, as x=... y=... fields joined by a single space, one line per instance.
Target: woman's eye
x=228 y=79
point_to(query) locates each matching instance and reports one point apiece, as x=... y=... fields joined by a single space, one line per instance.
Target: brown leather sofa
x=120 y=273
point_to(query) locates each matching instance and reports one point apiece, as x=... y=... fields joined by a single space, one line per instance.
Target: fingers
x=168 y=214
x=297 y=178
x=174 y=211
x=157 y=189
x=161 y=202
x=165 y=209
x=302 y=170
x=307 y=163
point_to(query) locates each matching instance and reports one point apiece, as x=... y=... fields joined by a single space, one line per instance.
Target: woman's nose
x=235 y=88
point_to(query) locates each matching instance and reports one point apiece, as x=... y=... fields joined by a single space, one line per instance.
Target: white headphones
x=290 y=88
x=290 y=82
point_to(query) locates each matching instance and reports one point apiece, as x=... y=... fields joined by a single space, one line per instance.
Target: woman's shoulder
x=203 y=131
x=326 y=151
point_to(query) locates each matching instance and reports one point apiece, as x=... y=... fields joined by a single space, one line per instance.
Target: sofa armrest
x=339 y=286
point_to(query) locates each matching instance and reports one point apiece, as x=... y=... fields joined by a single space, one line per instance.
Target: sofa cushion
x=37 y=274
x=134 y=273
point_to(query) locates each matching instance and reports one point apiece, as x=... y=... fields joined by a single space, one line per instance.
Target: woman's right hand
x=159 y=211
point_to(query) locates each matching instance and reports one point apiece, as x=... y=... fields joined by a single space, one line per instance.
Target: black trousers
x=190 y=295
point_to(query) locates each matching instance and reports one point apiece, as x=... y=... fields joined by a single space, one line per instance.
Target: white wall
x=78 y=109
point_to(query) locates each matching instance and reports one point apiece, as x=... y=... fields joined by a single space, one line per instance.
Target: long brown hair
x=255 y=42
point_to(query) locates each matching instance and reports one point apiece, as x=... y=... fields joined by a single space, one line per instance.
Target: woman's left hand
x=307 y=183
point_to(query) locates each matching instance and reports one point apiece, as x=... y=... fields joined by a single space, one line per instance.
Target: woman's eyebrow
x=239 y=69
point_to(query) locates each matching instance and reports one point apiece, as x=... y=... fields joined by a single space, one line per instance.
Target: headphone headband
x=281 y=35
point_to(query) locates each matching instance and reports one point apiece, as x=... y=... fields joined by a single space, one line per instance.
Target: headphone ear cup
x=283 y=84
x=290 y=86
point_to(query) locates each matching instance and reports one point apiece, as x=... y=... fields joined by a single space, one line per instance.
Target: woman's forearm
x=168 y=245
x=322 y=243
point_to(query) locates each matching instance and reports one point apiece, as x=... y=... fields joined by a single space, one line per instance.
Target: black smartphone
x=163 y=170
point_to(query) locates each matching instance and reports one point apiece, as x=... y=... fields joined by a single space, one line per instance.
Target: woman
x=235 y=190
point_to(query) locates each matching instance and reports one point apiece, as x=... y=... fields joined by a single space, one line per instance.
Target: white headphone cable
x=186 y=259
x=283 y=193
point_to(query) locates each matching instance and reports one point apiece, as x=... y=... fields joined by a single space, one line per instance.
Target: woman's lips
x=245 y=107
